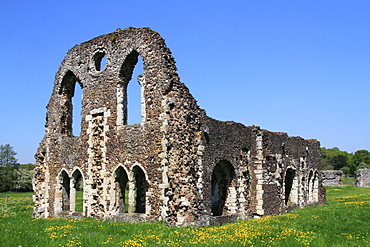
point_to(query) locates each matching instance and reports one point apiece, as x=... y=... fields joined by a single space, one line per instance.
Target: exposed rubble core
x=362 y=178
x=332 y=178
x=178 y=164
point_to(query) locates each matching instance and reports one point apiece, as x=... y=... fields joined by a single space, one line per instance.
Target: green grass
x=79 y=201
x=344 y=221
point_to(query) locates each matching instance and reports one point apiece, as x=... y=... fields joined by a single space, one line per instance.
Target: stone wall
x=362 y=178
x=332 y=178
x=177 y=164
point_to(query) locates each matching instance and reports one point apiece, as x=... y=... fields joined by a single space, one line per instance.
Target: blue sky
x=301 y=67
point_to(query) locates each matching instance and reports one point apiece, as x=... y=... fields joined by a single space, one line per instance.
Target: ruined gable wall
x=177 y=146
x=155 y=145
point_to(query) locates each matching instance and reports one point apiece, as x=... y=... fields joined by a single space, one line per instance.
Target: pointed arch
x=221 y=186
x=64 y=191
x=138 y=189
x=120 y=185
x=76 y=194
x=67 y=93
x=77 y=175
x=291 y=187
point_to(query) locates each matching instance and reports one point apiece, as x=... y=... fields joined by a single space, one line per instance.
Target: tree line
x=335 y=159
x=14 y=176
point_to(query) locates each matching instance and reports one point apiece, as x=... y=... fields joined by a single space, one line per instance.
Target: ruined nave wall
x=177 y=164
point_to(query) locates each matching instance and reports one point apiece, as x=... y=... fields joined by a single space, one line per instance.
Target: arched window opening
x=130 y=93
x=69 y=102
x=77 y=192
x=289 y=178
x=100 y=60
x=222 y=177
x=121 y=180
x=138 y=189
x=134 y=95
x=65 y=183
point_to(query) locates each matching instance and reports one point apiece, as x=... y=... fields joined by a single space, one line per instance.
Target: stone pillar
x=131 y=196
x=97 y=151
x=72 y=196
x=141 y=81
x=259 y=175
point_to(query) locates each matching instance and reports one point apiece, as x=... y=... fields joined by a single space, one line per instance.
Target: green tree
x=8 y=164
x=333 y=159
x=340 y=160
x=13 y=176
x=346 y=170
x=23 y=178
x=6 y=178
x=7 y=156
x=361 y=159
x=361 y=156
x=325 y=163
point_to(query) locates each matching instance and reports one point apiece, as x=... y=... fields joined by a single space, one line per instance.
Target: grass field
x=344 y=221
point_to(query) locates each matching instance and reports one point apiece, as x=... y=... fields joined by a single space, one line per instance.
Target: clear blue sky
x=301 y=67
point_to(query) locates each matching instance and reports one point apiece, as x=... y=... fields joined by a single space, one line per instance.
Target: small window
x=100 y=60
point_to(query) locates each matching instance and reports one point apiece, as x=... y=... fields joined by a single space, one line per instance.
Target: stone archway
x=77 y=185
x=222 y=187
x=64 y=181
x=291 y=187
x=120 y=183
x=138 y=189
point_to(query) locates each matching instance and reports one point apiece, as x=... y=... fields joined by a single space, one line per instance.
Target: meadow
x=344 y=221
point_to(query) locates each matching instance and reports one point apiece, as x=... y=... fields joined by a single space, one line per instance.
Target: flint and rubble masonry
x=177 y=164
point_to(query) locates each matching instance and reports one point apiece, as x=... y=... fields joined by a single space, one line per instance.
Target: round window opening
x=100 y=60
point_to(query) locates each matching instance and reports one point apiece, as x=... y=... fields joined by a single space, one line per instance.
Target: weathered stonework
x=362 y=178
x=332 y=178
x=178 y=164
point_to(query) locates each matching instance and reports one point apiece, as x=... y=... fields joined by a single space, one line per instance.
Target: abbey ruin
x=177 y=165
